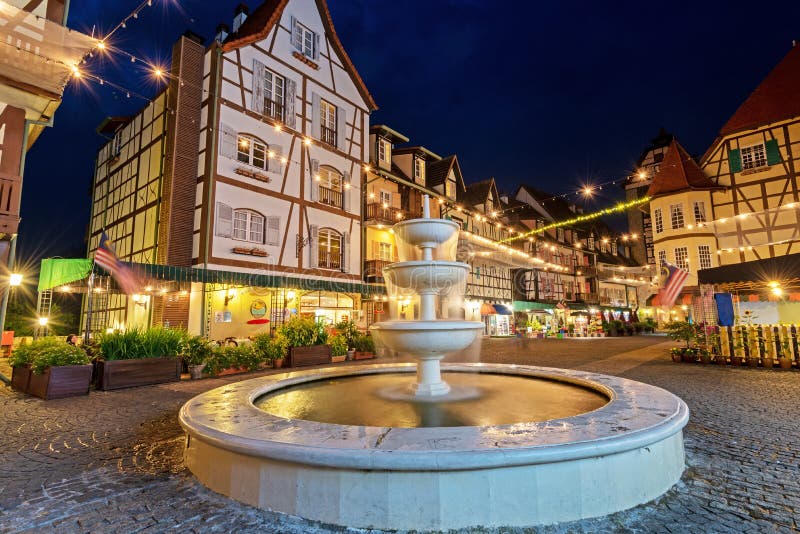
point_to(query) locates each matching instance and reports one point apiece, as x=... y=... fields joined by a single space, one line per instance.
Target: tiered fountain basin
x=626 y=451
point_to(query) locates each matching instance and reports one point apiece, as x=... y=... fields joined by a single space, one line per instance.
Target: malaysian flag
x=106 y=258
x=674 y=280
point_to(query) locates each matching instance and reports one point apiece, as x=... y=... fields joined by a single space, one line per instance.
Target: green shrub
x=303 y=332
x=349 y=330
x=48 y=352
x=135 y=343
x=196 y=350
x=364 y=343
x=681 y=331
x=338 y=345
x=222 y=358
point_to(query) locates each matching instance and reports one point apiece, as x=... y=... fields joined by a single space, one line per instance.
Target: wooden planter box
x=338 y=359
x=118 y=374
x=316 y=355
x=61 y=381
x=20 y=376
x=363 y=355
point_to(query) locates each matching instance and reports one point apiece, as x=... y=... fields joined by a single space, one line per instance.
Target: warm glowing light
x=43 y=321
x=277 y=127
x=184 y=293
x=372 y=195
x=148 y=288
x=15 y=279
x=347 y=185
x=163 y=290
x=441 y=201
x=587 y=191
x=158 y=72
x=307 y=141
x=101 y=45
x=494 y=214
x=367 y=168
x=777 y=291
x=317 y=177
x=66 y=289
x=743 y=215
x=690 y=226
x=75 y=71
x=290 y=295
x=642 y=174
x=774 y=284
x=624 y=237
x=270 y=154
x=243 y=143
x=634 y=236
x=605 y=240
x=578 y=245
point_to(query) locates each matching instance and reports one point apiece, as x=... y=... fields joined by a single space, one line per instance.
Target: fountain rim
x=420 y=220
x=636 y=416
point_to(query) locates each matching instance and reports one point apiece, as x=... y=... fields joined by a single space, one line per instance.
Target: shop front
x=498 y=319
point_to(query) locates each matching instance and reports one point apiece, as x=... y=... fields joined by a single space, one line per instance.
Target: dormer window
x=304 y=40
x=384 y=151
x=450 y=189
x=419 y=170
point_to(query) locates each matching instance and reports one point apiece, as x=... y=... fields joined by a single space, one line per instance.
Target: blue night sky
x=547 y=93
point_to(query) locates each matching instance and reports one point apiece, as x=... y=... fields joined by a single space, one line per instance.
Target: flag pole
x=90 y=289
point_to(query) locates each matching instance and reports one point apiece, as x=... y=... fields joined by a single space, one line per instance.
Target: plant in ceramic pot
x=57 y=369
x=196 y=351
x=338 y=344
x=349 y=330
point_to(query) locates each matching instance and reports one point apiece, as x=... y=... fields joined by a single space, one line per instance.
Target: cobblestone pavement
x=111 y=461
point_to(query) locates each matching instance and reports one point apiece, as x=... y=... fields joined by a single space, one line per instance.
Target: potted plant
x=349 y=330
x=365 y=347
x=57 y=369
x=196 y=351
x=20 y=360
x=338 y=344
x=785 y=358
x=139 y=357
x=686 y=332
x=306 y=340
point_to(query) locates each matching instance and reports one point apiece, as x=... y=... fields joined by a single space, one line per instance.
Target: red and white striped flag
x=106 y=258
x=674 y=280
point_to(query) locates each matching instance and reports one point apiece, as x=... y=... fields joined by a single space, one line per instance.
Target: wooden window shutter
x=289 y=114
x=376 y=250
x=275 y=164
x=314 y=190
x=735 y=160
x=227 y=141
x=313 y=246
x=346 y=192
x=293 y=34
x=773 y=152
x=273 y=231
x=316 y=46
x=341 y=128
x=316 y=117
x=345 y=248
x=258 y=86
x=224 y=225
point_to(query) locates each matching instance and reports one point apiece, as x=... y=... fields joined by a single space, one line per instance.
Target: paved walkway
x=111 y=462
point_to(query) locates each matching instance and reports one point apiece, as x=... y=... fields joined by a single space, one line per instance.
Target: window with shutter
x=274 y=86
x=327 y=123
x=224 y=224
x=735 y=160
x=773 y=152
x=754 y=156
x=304 y=40
x=289 y=115
x=273 y=231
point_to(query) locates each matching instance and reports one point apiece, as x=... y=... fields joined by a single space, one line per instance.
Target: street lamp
x=15 y=279
x=42 y=321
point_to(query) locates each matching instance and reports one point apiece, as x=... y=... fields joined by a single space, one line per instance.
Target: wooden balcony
x=377 y=214
x=330 y=197
x=373 y=270
x=327 y=135
x=328 y=260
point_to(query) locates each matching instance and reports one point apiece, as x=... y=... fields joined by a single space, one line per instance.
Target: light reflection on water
x=502 y=399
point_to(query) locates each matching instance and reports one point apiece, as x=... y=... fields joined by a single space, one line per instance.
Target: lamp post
x=14 y=280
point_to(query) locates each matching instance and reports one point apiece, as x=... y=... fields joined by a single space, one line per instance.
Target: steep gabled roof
x=257 y=26
x=558 y=208
x=477 y=193
x=679 y=172
x=436 y=171
x=776 y=98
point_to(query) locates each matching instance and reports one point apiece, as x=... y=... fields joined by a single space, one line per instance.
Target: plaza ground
x=111 y=461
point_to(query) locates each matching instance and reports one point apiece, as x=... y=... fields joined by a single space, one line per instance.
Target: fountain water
x=536 y=446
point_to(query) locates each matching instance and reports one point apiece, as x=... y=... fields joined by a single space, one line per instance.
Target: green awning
x=55 y=272
x=524 y=305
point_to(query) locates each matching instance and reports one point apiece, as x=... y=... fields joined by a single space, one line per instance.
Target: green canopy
x=56 y=272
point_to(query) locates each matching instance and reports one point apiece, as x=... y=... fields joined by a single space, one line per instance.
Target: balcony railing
x=373 y=270
x=588 y=298
x=273 y=109
x=330 y=197
x=329 y=260
x=327 y=135
x=376 y=213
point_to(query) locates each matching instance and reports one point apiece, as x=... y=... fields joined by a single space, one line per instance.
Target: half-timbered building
x=258 y=183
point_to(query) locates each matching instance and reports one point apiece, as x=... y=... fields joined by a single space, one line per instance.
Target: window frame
x=419 y=169
x=384 y=151
x=304 y=36
x=658 y=221
x=676 y=218
x=384 y=251
x=329 y=233
x=749 y=152
x=662 y=257
x=682 y=259
x=704 y=253
x=250 y=218
x=251 y=147
x=701 y=212
x=270 y=86
x=450 y=188
x=327 y=122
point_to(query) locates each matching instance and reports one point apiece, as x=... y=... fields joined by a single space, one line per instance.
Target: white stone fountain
x=428 y=339
x=536 y=446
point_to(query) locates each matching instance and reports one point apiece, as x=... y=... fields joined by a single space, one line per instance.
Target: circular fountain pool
x=626 y=452
x=385 y=400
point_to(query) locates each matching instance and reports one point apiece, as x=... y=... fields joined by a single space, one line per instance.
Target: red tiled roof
x=776 y=98
x=258 y=25
x=679 y=172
